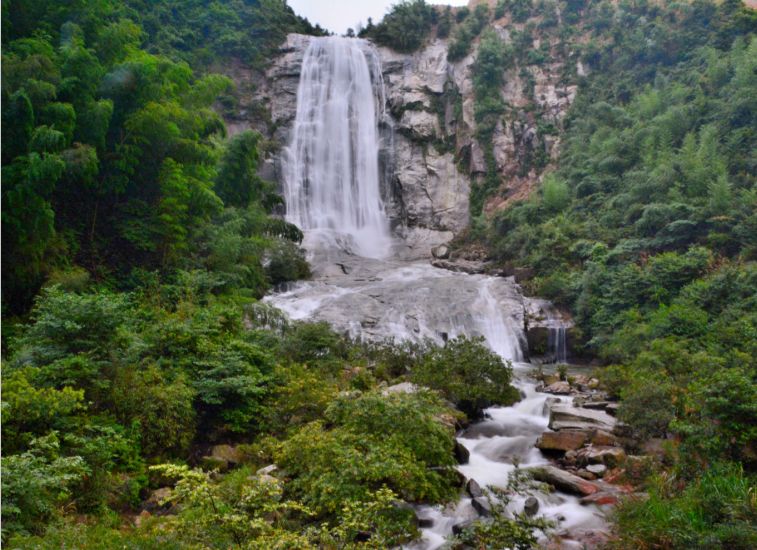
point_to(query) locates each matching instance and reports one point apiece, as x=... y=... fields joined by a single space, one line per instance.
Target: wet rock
x=440 y=252
x=600 y=499
x=462 y=455
x=612 y=408
x=549 y=402
x=425 y=523
x=597 y=469
x=482 y=506
x=566 y=417
x=563 y=480
x=531 y=506
x=595 y=405
x=462 y=526
x=461 y=266
x=585 y=474
x=609 y=456
x=562 y=441
x=474 y=489
x=558 y=388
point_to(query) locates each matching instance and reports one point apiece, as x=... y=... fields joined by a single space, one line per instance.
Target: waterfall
x=557 y=344
x=331 y=166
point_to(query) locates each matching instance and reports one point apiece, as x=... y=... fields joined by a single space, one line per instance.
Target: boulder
x=585 y=474
x=474 y=489
x=597 y=469
x=562 y=441
x=567 y=417
x=425 y=523
x=564 y=481
x=531 y=506
x=609 y=456
x=212 y=463
x=440 y=252
x=462 y=454
x=230 y=454
x=482 y=506
x=558 y=388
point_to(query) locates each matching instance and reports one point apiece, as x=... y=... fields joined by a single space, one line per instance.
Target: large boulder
x=562 y=441
x=564 y=481
x=567 y=417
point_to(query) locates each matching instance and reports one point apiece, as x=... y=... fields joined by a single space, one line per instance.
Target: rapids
x=365 y=286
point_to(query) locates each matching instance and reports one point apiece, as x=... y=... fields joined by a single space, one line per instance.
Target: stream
x=372 y=285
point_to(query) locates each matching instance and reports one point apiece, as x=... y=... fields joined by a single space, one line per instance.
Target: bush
x=405 y=27
x=467 y=373
x=375 y=440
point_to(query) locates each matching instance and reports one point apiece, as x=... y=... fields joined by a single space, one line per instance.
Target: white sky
x=338 y=15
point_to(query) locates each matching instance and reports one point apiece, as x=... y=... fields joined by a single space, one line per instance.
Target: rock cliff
x=431 y=157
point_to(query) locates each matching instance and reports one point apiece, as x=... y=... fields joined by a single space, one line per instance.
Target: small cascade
x=557 y=344
x=331 y=166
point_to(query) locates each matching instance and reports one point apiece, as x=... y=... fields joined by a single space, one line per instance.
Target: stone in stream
x=482 y=506
x=474 y=489
x=563 y=481
x=562 y=441
x=566 y=417
x=531 y=506
x=425 y=523
x=462 y=454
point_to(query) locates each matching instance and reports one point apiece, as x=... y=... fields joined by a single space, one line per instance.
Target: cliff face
x=431 y=156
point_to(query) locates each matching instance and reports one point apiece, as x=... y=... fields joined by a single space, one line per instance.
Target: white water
x=332 y=191
x=331 y=175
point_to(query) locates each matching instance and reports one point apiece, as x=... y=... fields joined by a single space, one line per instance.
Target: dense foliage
x=646 y=231
x=114 y=158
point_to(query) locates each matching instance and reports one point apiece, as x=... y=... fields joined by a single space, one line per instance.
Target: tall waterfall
x=331 y=174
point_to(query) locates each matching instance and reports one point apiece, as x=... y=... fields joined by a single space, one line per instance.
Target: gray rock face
x=562 y=417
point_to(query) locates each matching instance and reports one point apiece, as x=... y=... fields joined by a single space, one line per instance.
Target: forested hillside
x=146 y=391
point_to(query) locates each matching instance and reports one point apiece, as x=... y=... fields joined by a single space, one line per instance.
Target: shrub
x=467 y=373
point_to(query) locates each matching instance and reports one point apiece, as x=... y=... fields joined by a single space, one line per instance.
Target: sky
x=338 y=15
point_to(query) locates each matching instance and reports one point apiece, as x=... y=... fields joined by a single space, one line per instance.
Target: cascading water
x=557 y=344
x=331 y=174
x=332 y=191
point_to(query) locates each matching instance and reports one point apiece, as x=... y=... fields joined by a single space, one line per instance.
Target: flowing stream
x=361 y=285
